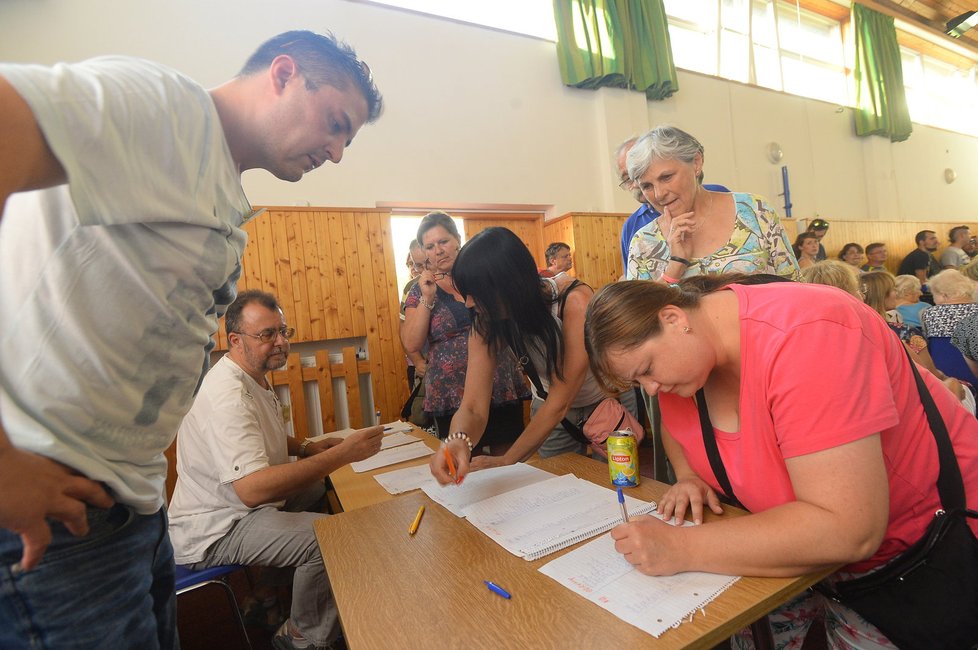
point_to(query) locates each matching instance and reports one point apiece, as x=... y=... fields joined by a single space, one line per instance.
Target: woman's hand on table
x=460 y=456
x=651 y=546
x=689 y=494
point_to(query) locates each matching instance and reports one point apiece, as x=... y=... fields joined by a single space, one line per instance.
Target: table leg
x=761 y=631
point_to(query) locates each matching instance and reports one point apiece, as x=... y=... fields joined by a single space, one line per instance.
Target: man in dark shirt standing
x=921 y=262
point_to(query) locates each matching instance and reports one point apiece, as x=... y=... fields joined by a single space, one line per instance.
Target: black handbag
x=927 y=597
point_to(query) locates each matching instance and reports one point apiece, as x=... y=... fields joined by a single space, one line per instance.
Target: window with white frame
x=940 y=94
x=769 y=43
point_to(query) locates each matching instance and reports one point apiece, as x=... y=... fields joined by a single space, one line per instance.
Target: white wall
x=479 y=116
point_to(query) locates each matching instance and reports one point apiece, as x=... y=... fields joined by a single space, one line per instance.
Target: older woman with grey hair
x=700 y=231
x=954 y=300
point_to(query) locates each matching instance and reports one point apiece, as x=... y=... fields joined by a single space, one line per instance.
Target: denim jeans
x=112 y=588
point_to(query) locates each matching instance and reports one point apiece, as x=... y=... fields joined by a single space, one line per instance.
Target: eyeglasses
x=626 y=183
x=269 y=335
x=818 y=224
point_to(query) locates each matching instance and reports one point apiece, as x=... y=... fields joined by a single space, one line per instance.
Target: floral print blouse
x=448 y=355
x=758 y=245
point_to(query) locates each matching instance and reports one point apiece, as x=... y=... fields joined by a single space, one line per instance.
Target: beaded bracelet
x=681 y=260
x=431 y=306
x=460 y=435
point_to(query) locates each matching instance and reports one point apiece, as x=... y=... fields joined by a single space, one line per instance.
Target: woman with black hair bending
x=435 y=314
x=836 y=468
x=542 y=320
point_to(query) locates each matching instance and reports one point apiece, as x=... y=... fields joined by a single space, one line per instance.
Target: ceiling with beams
x=935 y=14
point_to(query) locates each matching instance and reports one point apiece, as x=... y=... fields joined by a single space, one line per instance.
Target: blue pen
x=496 y=589
x=621 y=502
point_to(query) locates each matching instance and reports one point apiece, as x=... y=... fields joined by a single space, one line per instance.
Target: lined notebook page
x=536 y=520
x=483 y=484
x=651 y=603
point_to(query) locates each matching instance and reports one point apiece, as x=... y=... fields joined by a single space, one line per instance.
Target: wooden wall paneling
x=351 y=376
x=283 y=265
x=264 y=241
x=368 y=288
x=325 y=380
x=599 y=238
x=528 y=227
x=388 y=367
x=327 y=275
x=297 y=398
x=341 y=277
x=358 y=256
x=297 y=265
x=250 y=260
x=598 y=252
x=594 y=239
x=313 y=280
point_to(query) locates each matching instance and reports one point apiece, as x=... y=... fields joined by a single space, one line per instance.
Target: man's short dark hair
x=232 y=318
x=553 y=249
x=922 y=235
x=871 y=247
x=321 y=59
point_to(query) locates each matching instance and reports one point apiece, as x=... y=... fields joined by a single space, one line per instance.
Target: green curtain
x=617 y=43
x=881 y=100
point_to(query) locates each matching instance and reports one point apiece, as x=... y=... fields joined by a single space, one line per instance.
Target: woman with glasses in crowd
x=435 y=314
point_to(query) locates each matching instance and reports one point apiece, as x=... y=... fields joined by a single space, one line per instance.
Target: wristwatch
x=302 y=448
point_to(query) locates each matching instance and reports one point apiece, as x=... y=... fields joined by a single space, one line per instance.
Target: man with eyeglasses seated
x=238 y=499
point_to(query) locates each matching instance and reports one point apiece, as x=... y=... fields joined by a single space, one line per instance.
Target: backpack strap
x=562 y=297
x=527 y=364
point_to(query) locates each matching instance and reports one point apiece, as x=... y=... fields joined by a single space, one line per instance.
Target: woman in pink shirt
x=837 y=466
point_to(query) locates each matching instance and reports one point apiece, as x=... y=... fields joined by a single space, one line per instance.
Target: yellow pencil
x=417 y=520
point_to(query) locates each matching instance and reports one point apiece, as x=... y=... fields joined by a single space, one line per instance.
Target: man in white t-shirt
x=238 y=499
x=120 y=247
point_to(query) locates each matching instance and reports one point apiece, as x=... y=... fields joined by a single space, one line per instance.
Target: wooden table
x=426 y=590
x=360 y=490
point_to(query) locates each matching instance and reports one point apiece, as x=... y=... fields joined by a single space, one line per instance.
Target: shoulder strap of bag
x=712 y=451
x=950 y=485
x=406 y=409
x=527 y=363
x=562 y=298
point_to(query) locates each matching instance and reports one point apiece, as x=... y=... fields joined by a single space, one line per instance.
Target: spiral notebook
x=539 y=519
x=654 y=604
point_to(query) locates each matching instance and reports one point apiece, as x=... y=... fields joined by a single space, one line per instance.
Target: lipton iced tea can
x=623 y=459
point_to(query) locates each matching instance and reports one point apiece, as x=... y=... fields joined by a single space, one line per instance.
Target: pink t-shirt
x=820 y=369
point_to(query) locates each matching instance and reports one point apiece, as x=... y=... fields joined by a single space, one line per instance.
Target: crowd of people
x=712 y=302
